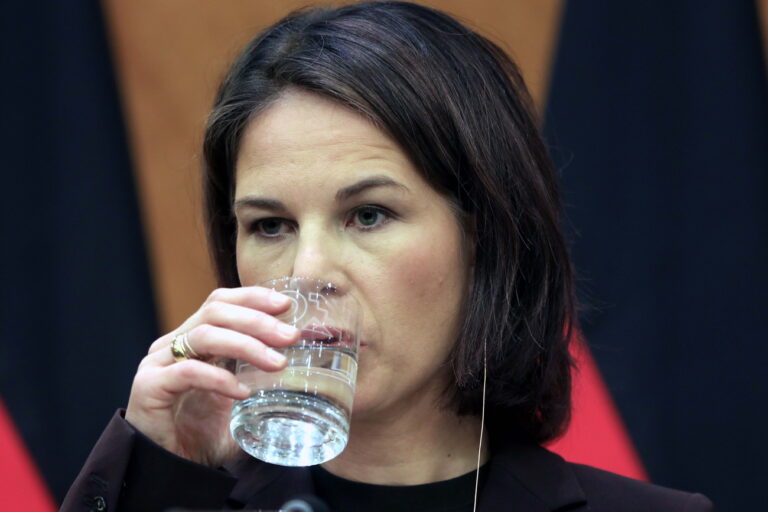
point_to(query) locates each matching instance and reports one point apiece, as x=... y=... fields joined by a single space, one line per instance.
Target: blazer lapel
x=526 y=477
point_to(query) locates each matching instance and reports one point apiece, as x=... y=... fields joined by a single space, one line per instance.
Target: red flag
x=21 y=487
x=596 y=435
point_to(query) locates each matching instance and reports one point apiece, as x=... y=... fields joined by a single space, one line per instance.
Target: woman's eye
x=368 y=217
x=271 y=227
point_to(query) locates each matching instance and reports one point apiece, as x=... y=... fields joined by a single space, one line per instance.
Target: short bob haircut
x=457 y=106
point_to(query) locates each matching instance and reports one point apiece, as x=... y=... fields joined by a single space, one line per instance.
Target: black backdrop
x=658 y=118
x=76 y=310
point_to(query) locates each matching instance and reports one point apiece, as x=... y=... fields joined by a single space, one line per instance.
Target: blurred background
x=656 y=113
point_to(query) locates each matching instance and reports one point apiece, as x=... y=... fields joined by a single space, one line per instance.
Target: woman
x=388 y=149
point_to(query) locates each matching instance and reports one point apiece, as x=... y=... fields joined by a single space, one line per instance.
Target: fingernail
x=276 y=357
x=286 y=331
x=278 y=299
x=245 y=388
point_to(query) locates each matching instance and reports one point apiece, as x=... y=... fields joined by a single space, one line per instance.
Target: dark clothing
x=128 y=472
x=342 y=495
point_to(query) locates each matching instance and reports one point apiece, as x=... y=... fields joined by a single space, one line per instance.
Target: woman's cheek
x=429 y=274
x=258 y=263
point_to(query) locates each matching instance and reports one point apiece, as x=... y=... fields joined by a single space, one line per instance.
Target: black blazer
x=127 y=472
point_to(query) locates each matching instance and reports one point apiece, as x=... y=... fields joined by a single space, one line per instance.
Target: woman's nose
x=317 y=257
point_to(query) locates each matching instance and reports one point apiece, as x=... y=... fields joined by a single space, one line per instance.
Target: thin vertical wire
x=482 y=425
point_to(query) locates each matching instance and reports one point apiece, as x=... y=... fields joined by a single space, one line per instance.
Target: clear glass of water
x=299 y=416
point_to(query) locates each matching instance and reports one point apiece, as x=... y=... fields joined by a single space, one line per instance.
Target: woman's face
x=323 y=193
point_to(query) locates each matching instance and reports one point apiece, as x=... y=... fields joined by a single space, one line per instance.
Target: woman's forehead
x=304 y=133
x=300 y=121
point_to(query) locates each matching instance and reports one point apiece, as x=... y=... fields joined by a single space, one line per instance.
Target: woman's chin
x=368 y=406
x=361 y=407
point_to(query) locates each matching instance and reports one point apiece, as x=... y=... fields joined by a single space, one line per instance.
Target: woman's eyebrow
x=260 y=203
x=368 y=183
x=342 y=194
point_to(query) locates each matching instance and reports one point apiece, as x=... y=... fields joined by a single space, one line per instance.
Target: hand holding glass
x=299 y=416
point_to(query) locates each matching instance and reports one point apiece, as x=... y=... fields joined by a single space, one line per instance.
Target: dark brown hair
x=457 y=106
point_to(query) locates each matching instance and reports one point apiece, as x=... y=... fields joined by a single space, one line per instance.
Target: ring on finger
x=181 y=350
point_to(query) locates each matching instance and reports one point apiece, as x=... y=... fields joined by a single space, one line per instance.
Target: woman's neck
x=421 y=446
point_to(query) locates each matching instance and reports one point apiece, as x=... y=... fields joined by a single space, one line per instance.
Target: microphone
x=305 y=504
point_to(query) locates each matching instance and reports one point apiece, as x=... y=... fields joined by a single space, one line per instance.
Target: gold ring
x=181 y=350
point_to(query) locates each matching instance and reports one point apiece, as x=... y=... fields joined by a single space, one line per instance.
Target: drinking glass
x=299 y=416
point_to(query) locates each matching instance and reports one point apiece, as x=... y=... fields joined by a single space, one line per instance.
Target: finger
x=254 y=297
x=257 y=324
x=212 y=342
x=161 y=343
x=187 y=375
x=257 y=305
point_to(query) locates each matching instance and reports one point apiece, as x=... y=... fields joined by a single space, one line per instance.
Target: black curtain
x=658 y=120
x=76 y=309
